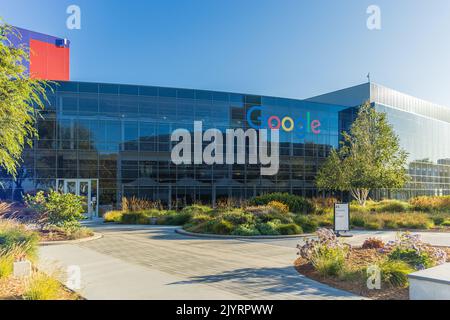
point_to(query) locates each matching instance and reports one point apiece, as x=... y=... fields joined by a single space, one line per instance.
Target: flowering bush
x=327 y=254
x=325 y=237
x=411 y=249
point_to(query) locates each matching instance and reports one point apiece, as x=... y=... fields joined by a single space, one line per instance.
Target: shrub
x=446 y=223
x=306 y=223
x=42 y=287
x=328 y=261
x=237 y=217
x=392 y=206
x=395 y=272
x=323 y=204
x=325 y=220
x=15 y=237
x=268 y=228
x=175 y=219
x=357 y=220
x=409 y=248
x=221 y=226
x=200 y=218
x=113 y=216
x=246 y=230
x=196 y=208
x=416 y=259
x=376 y=221
x=135 y=218
x=356 y=207
x=373 y=243
x=295 y=203
x=279 y=206
x=435 y=203
x=57 y=208
x=258 y=210
x=373 y=225
x=389 y=224
x=289 y=229
x=74 y=231
x=267 y=213
x=438 y=220
x=327 y=254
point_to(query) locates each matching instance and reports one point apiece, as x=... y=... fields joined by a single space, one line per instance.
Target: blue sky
x=287 y=48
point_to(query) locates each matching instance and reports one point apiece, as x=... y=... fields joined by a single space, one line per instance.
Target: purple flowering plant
x=410 y=248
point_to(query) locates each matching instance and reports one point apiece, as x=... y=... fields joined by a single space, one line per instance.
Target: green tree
x=21 y=99
x=369 y=157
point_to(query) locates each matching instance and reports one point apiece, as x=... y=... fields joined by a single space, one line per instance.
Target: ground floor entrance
x=87 y=188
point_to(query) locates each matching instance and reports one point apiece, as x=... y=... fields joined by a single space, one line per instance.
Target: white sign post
x=341 y=219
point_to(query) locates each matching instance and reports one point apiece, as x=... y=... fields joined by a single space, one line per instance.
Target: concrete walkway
x=154 y=262
x=157 y=263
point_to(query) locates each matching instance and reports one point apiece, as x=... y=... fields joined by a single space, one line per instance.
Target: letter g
x=249 y=117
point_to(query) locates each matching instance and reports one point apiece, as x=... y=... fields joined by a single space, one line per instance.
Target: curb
x=96 y=236
x=220 y=236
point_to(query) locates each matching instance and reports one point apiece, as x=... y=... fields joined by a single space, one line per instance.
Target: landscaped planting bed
x=330 y=261
x=286 y=214
x=17 y=243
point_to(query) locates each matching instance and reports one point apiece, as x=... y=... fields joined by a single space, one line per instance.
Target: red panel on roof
x=47 y=61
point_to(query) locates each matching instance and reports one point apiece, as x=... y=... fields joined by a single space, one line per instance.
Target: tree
x=369 y=157
x=21 y=99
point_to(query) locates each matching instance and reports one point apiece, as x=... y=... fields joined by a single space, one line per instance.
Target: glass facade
x=423 y=129
x=427 y=142
x=117 y=137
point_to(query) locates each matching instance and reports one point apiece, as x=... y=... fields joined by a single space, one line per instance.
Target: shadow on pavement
x=283 y=280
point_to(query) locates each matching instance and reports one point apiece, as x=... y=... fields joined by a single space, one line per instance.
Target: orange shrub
x=280 y=207
x=434 y=203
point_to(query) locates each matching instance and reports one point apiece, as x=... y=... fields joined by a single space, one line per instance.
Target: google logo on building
x=286 y=123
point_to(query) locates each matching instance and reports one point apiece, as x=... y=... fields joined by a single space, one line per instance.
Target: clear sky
x=288 y=48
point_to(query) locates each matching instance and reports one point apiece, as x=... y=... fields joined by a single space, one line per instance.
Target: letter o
x=269 y=122
x=283 y=124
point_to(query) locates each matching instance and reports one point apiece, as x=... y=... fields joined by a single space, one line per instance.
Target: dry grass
x=134 y=204
x=12 y=288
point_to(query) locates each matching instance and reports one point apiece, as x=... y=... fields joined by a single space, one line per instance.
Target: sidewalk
x=104 y=277
x=157 y=263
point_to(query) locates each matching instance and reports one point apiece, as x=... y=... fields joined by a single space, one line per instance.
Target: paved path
x=434 y=238
x=153 y=262
x=157 y=263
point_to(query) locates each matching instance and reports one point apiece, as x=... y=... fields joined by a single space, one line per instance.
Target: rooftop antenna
x=368 y=76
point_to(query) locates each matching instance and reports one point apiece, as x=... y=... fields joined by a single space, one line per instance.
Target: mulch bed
x=358 y=257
